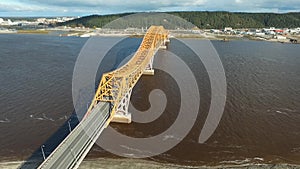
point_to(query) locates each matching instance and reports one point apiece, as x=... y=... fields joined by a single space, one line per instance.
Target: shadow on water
x=49 y=146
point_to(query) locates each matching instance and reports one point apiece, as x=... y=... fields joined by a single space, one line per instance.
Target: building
x=278 y=31
x=279 y=37
x=260 y=34
x=5 y=22
x=228 y=29
x=216 y=31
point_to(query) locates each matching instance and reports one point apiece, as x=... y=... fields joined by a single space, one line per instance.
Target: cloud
x=86 y=7
x=254 y=5
x=238 y=1
x=119 y=5
x=18 y=8
x=112 y=3
x=281 y=5
x=15 y=6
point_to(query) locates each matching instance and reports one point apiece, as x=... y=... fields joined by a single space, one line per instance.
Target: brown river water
x=261 y=120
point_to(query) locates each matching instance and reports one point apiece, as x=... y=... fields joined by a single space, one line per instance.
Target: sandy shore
x=144 y=164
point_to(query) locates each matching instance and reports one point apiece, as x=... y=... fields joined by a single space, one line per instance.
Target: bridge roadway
x=73 y=149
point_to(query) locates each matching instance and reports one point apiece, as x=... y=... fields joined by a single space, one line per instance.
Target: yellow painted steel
x=114 y=85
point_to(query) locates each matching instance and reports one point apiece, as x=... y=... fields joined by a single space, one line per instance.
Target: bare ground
x=144 y=164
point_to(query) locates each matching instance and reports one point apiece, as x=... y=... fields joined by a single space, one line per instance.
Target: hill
x=204 y=20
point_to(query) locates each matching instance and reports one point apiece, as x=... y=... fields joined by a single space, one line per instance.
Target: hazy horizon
x=54 y=8
x=134 y=12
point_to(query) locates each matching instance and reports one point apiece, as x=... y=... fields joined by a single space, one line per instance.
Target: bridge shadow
x=36 y=159
x=49 y=145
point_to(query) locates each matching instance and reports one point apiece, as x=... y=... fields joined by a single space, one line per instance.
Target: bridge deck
x=75 y=147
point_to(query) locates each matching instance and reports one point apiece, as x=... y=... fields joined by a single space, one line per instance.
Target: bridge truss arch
x=116 y=86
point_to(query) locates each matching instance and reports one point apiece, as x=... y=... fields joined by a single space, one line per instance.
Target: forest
x=202 y=20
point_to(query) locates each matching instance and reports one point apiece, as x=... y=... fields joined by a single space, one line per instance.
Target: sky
x=87 y=7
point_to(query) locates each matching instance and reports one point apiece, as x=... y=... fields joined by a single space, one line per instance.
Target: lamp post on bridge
x=42 y=146
x=87 y=106
x=70 y=128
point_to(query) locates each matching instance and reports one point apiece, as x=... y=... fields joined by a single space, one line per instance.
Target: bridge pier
x=122 y=115
x=165 y=43
x=112 y=87
x=149 y=69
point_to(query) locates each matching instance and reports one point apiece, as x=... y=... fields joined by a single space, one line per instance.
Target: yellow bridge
x=115 y=87
x=110 y=103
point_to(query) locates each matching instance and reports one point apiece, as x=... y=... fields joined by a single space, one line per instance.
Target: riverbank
x=37 y=31
x=145 y=164
x=86 y=32
x=226 y=38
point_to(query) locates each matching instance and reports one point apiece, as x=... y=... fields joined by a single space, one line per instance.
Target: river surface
x=261 y=120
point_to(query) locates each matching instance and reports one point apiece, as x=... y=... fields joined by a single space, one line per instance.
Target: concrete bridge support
x=165 y=44
x=149 y=69
x=122 y=115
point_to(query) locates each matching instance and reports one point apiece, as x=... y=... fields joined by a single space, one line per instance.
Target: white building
x=279 y=37
x=260 y=34
x=216 y=31
x=41 y=20
x=4 y=22
x=228 y=29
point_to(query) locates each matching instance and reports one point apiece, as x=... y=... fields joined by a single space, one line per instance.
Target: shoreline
x=148 y=164
x=205 y=36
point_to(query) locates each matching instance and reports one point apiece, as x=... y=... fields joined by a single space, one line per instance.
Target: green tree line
x=203 y=20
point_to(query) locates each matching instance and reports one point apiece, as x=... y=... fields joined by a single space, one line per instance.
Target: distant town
x=48 y=25
x=34 y=22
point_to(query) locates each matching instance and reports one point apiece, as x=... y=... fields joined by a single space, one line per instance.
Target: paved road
x=73 y=149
